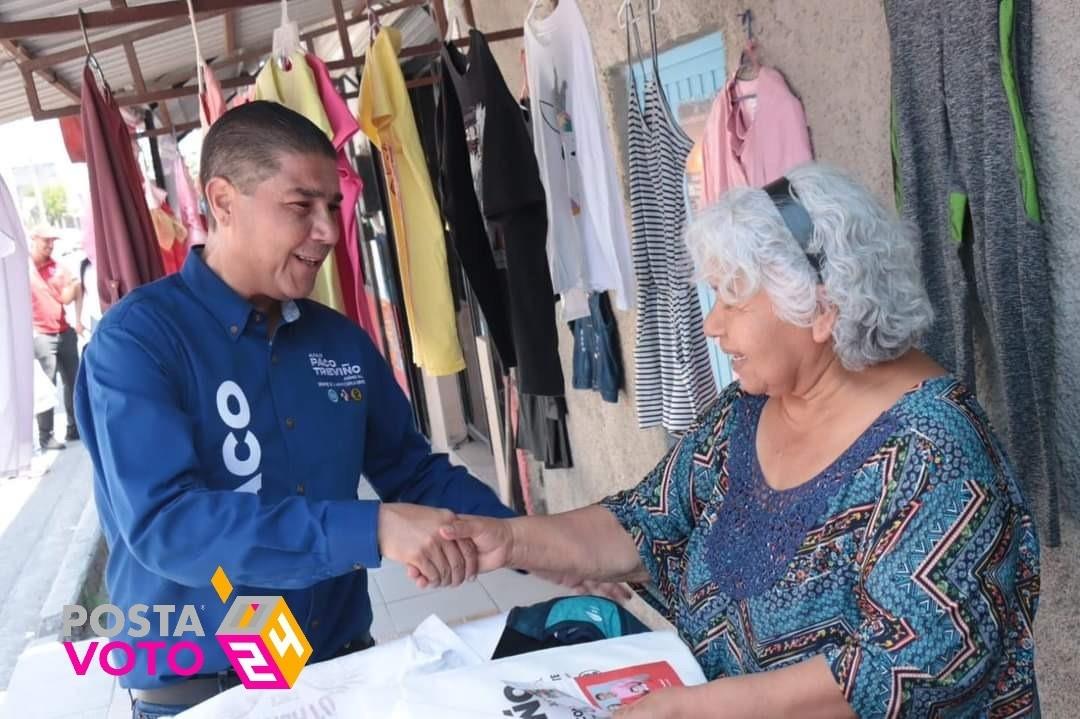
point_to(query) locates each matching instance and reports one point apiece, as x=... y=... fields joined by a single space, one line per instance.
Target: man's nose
x=325 y=228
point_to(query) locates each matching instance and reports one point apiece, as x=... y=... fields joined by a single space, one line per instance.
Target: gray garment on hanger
x=986 y=270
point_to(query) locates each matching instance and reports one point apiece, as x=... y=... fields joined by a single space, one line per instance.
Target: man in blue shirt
x=229 y=421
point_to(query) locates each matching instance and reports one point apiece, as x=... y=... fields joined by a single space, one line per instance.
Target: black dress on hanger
x=486 y=146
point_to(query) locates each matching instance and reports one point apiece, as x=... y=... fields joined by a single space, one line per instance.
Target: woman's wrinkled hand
x=614 y=591
x=670 y=703
x=493 y=539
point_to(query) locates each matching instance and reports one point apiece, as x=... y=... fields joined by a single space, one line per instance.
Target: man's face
x=41 y=248
x=288 y=224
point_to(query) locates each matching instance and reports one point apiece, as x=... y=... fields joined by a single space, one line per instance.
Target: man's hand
x=409 y=533
x=492 y=538
x=460 y=554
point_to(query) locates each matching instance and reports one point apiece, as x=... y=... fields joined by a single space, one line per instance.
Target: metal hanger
x=455 y=15
x=374 y=25
x=286 y=39
x=536 y=3
x=90 y=59
x=749 y=65
x=621 y=14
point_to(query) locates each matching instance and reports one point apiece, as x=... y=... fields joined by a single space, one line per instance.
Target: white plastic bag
x=364 y=685
x=544 y=683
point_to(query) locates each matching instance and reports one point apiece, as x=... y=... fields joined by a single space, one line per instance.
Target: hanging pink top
x=188 y=203
x=347 y=252
x=753 y=141
x=212 y=102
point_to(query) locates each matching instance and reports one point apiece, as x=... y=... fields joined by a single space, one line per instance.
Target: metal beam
x=31 y=93
x=107 y=43
x=432 y=48
x=15 y=29
x=166 y=116
x=343 y=30
x=23 y=58
x=422 y=81
x=470 y=17
x=230 y=32
x=172 y=93
x=132 y=58
x=162 y=95
x=440 y=17
x=178 y=129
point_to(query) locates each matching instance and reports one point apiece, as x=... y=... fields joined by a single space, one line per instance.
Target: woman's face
x=767 y=353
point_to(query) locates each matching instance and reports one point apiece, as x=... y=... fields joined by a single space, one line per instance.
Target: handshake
x=442 y=549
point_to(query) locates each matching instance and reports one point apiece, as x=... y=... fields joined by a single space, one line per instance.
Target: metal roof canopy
x=152 y=59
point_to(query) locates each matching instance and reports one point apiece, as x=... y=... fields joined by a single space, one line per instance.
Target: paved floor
x=38 y=515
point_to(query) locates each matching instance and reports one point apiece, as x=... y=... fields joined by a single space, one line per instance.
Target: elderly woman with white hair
x=841 y=532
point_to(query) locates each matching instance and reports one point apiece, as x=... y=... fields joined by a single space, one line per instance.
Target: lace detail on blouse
x=757 y=530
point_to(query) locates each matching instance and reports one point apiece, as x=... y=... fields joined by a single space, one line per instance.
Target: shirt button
x=300 y=489
x=290 y=422
x=274 y=358
x=234 y=330
x=358 y=566
x=258 y=317
x=314 y=623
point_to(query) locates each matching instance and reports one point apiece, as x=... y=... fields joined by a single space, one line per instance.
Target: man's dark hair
x=244 y=145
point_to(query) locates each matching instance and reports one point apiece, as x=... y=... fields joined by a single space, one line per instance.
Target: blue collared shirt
x=215 y=443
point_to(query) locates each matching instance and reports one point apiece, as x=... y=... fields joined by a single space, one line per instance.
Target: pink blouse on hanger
x=212 y=102
x=347 y=251
x=753 y=141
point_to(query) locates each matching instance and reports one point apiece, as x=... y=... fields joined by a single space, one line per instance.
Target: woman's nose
x=714 y=322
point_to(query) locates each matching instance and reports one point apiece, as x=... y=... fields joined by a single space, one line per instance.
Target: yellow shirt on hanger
x=295 y=88
x=386 y=117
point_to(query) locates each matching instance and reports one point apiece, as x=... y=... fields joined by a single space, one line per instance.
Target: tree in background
x=54 y=197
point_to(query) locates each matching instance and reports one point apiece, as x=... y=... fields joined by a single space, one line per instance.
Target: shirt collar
x=223 y=302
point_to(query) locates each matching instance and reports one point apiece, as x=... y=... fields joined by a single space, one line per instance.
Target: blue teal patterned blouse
x=911 y=564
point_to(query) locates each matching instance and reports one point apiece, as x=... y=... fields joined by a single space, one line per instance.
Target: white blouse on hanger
x=588 y=242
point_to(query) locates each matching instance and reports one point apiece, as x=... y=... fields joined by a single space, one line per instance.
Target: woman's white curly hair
x=869 y=265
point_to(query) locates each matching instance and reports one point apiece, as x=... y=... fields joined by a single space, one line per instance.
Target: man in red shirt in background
x=55 y=344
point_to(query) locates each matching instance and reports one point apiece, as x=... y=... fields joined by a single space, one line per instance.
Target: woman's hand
x=614 y=591
x=493 y=539
x=670 y=703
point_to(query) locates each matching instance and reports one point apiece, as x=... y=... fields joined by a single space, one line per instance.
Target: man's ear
x=221 y=200
x=825 y=321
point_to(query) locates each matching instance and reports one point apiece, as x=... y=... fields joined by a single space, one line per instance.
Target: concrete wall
x=836 y=58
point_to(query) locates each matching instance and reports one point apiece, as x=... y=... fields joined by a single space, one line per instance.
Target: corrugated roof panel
x=170 y=57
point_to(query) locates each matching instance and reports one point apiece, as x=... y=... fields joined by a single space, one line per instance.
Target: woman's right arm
x=587 y=544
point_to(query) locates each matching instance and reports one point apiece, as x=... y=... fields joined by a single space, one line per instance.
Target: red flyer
x=621 y=687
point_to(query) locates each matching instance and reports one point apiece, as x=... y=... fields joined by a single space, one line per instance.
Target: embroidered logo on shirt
x=339 y=376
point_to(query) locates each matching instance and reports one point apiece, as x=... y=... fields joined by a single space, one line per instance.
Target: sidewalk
x=39 y=513
x=38 y=519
